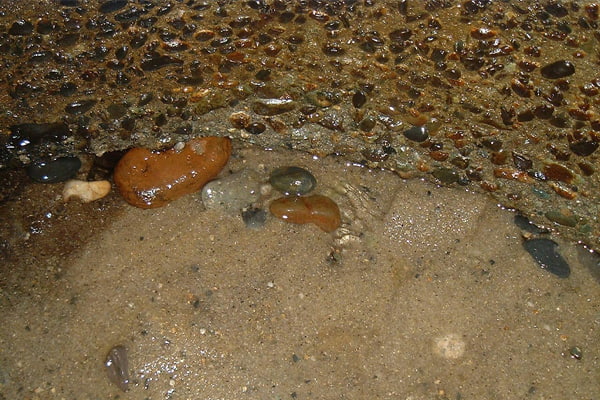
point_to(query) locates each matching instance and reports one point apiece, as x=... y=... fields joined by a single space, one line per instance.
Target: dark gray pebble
x=292 y=180
x=558 y=69
x=59 y=170
x=254 y=217
x=524 y=223
x=545 y=253
x=117 y=367
x=417 y=133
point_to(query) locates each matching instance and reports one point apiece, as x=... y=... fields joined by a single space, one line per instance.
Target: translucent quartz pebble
x=316 y=209
x=292 y=180
x=117 y=366
x=232 y=193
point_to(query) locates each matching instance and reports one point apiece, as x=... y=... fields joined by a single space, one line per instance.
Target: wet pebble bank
x=494 y=96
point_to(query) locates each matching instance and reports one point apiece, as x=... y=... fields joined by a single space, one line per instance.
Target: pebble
x=524 y=223
x=254 y=218
x=417 y=133
x=85 y=191
x=292 y=180
x=558 y=69
x=233 y=193
x=150 y=179
x=316 y=209
x=117 y=367
x=545 y=253
x=58 y=170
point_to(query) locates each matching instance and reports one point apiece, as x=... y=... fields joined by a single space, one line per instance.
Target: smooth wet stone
x=417 y=133
x=150 y=179
x=233 y=193
x=316 y=209
x=446 y=175
x=292 y=180
x=59 y=170
x=545 y=253
x=117 y=367
x=558 y=69
x=85 y=191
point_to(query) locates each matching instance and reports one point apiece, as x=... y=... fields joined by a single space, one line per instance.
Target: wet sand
x=423 y=293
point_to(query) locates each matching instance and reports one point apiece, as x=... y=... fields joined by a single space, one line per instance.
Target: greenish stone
x=446 y=175
x=561 y=219
x=292 y=180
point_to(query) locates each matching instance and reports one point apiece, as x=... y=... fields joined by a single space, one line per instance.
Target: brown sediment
x=506 y=92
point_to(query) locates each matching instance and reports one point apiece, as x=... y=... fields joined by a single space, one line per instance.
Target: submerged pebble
x=545 y=253
x=58 y=170
x=292 y=180
x=254 y=218
x=150 y=179
x=316 y=209
x=232 y=193
x=117 y=367
x=85 y=191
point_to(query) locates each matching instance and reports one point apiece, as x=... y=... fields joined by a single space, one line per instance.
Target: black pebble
x=55 y=171
x=545 y=253
x=558 y=69
x=417 y=133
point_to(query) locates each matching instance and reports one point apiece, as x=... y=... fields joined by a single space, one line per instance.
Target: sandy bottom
x=424 y=293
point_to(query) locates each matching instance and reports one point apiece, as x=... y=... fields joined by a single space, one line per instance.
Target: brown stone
x=150 y=179
x=316 y=209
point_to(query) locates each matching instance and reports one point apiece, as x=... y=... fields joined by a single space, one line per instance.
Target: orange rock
x=150 y=179
x=316 y=209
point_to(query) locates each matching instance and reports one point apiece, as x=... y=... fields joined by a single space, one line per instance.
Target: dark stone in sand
x=545 y=253
x=55 y=171
x=117 y=367
x=254 y=217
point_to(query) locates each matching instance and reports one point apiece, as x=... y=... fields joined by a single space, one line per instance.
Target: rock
x=317 y=209
x=558 y=69
x=117 y=367
x=544 y=252
x=254 y=218
x=292 y=180
x=417 y=133
x=232 y=193
x=85 y=191
x=149 y=179
x=55 y=171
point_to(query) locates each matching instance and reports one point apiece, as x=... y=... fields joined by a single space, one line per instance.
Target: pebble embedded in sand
x=450 y=346
x=317 y=209
x=150 y=179
x=85 y=191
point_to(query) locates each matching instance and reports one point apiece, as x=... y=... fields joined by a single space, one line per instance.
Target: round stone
x=233 y=193
x=417 y=133
x=558 y=69
x=59 y=170
x=316 y=209
x=292 y=180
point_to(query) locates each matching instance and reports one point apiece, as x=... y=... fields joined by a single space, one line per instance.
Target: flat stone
x=316 y=209
x=545 y=253
x=150 y=179
x=233 y=193
x=58 y=170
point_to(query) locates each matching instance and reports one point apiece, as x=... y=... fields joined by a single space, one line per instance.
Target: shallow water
x=424 y=292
